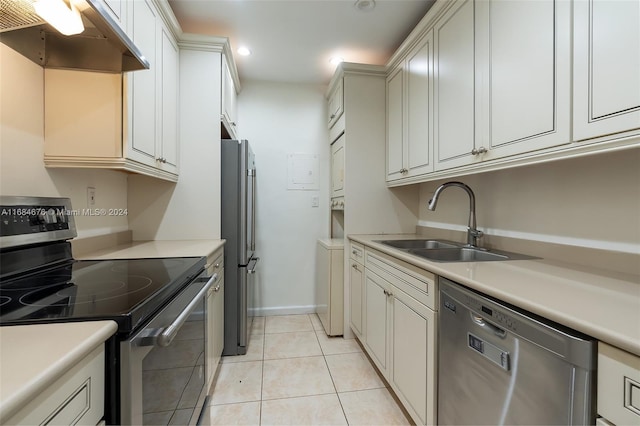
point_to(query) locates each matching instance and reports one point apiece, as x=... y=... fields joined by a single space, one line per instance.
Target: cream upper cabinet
x=337 y=167
x=152 y=138
x=229 y=101
x=335 y=103
x=118 y=10
x=606 y=68
x=523 y=52
x=124 y=122
x=409 y=117
x=502 y=79
x=454 y=87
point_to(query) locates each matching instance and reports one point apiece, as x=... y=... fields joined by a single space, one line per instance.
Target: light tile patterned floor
x=293 y=374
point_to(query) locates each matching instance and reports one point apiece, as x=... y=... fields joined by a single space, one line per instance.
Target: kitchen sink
x=419 y=244
x=449 y=251
x=459 y=254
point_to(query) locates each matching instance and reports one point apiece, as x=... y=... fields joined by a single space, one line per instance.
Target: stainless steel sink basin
x=459 y=254
x=419 y=244
x=449 y=251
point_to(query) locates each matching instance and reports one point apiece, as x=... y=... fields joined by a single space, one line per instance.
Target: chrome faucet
x=472 y=233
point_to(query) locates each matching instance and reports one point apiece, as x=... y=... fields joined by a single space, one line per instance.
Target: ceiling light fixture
x=63 y=18
x=244 y=51
x=365 y=5
x=336 y=60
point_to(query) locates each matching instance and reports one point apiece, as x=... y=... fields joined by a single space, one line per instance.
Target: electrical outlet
x=91 y=196
x=315 y=201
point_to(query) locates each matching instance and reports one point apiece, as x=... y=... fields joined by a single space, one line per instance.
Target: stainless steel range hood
x=103 y=46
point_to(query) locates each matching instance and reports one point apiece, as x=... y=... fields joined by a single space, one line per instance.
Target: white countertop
x=165 y=248
x=598 y=303
x=32 y=357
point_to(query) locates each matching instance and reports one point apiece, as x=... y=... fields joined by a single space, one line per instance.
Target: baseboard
x=282 y=310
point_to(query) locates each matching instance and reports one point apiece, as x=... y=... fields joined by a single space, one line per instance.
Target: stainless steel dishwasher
x=499 y=365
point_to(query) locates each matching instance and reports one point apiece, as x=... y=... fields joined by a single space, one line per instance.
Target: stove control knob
x=50 y=216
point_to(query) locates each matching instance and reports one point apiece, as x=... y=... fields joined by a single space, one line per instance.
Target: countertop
x=165 y=248
x=599 y=303
x=34 y=356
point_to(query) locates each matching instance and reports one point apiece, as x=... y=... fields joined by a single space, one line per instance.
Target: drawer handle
x=388 y=293
x=481 y=150
x=354 y=266
x=216 y=288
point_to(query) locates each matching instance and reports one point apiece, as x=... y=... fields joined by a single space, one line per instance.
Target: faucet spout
x=472 y=232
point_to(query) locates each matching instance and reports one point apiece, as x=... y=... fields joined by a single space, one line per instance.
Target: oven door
x=162 y=376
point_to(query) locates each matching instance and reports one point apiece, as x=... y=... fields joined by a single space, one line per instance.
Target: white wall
x=280 y=119
x=22 y=170
x=592 y=201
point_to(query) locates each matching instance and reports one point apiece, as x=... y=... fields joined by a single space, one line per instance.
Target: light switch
x=315 y=201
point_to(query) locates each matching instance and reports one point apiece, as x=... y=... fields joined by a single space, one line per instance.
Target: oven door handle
x=169 y=333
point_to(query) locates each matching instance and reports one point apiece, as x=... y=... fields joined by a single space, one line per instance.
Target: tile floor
x=293 y=374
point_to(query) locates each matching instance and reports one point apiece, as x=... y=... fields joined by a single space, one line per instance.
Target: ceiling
x=294 y=40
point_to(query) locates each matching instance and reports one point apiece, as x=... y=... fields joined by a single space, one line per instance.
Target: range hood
x=103 y=46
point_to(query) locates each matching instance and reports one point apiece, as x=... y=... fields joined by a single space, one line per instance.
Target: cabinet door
x=395 y=125
x=376 y=306
x=419 y=146
x=168 y=139
x=229 y=96
x=144 y=86
x=210 y=351
x=606 y=67
x=523 y=64
x=335 y=104
x=356 y=283
x=413 y=355
x=337 y=168
x=218 y=314
x=454 y=86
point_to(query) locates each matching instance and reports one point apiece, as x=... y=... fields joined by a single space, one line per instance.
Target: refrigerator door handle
x=252 y=174
x=251 y=267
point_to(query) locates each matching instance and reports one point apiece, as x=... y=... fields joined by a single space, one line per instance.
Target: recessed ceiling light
x=365 y=5
x=244 y=51
x=336 y=60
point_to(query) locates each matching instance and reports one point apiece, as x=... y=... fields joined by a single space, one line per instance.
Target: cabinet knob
x=403 y=170
x=217 y=265
x=233 y=123
x=479 y=151
x=332 y=117
x=354 y=266
x=216 y=288
x=388 y=293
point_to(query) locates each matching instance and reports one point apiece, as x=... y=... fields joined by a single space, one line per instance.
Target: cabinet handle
x=217 y=265
x=233 y=123
x=388 y=293
x=332 y=117
x=479 y=151
x=403 y=170
x=354 y=266
x=216 y=288
x=354 y=252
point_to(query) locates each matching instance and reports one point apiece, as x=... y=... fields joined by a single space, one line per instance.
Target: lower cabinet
x=215 y=319
x=618 y=386
x=356 y=289
x=75 y=398
x=400 y=329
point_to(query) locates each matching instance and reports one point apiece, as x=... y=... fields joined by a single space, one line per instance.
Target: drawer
x=618 y=385
x=215 y=262
x=357 y=252
x=416 y=282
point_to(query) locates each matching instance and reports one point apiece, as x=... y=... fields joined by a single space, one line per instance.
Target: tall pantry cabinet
x=364 y=204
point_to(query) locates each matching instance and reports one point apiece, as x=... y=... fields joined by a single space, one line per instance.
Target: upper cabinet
x=335 y=103
x=502 y=79
x=229 y=107
x=152 y=134
x=606 y=74
x=508 y=83
x=124 y=122
x=409 y=118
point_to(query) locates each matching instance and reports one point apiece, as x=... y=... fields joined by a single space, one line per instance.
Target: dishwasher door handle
x=482 y=323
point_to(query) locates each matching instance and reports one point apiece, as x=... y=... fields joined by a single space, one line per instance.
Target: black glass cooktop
x=127 y=291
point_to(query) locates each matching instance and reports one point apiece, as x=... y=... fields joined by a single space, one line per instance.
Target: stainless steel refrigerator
x=238 y=181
